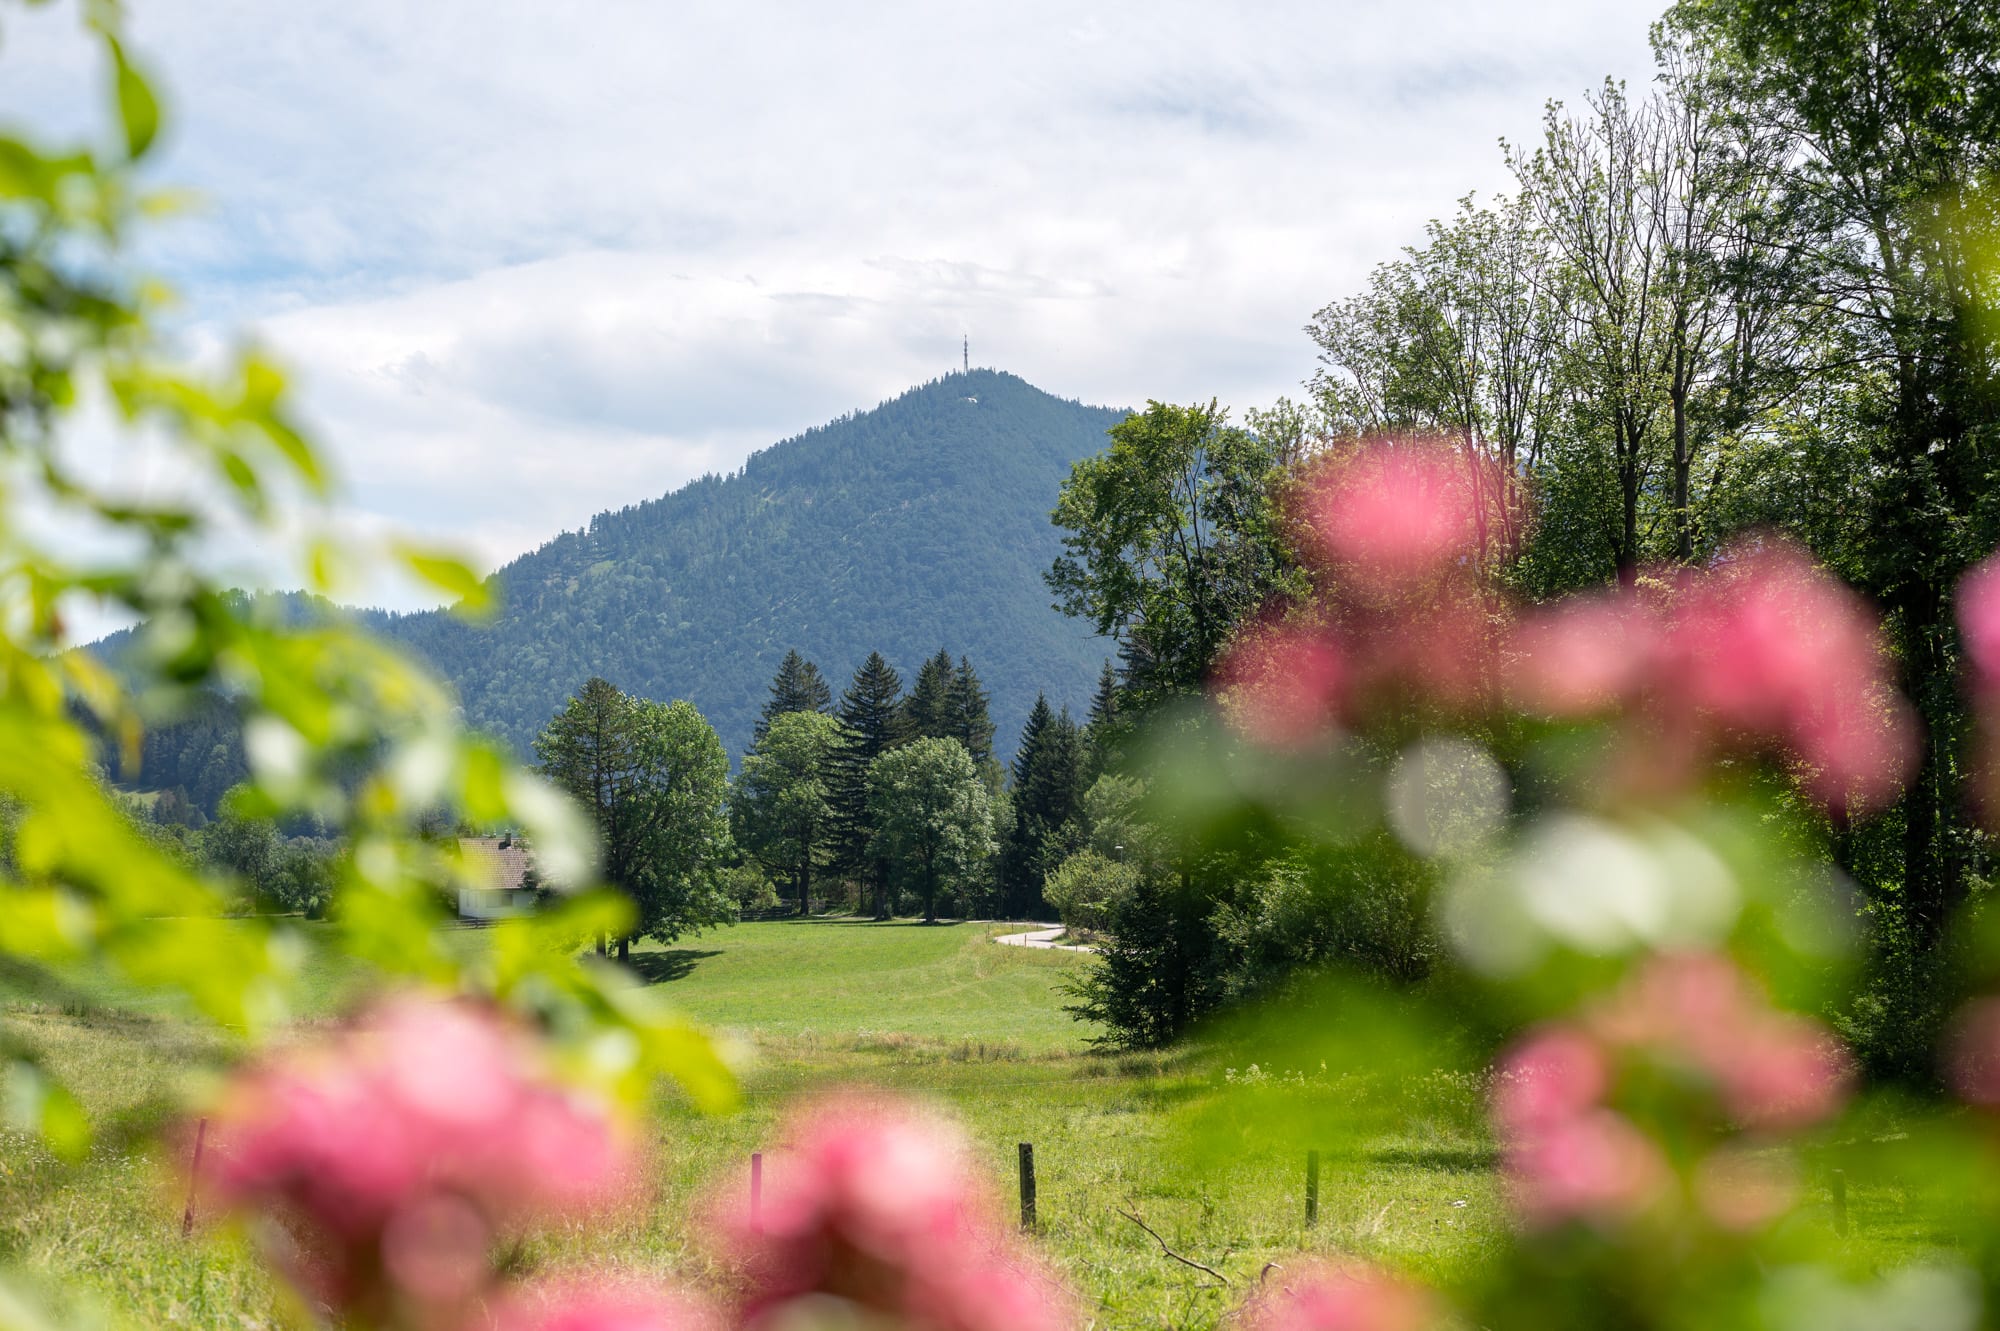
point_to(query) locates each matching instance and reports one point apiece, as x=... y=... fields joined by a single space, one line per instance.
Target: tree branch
x=1184 y=1261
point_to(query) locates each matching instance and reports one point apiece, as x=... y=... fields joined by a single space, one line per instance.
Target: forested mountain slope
x=921 y=524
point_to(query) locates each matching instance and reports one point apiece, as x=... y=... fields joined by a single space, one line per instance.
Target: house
x=501 y=863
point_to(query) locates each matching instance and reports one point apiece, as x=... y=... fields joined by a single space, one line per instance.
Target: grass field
x=937 y=1012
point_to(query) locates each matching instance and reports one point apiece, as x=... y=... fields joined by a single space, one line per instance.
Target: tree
x=1170 y=539
x=1891 y=111
x=971 y=723
x=927 y=711
x=871 y=723
x=653 y=778
x=933 y=820
x=1089 y=888
x=798 y=687
x=1048 y=782
x=779 y=803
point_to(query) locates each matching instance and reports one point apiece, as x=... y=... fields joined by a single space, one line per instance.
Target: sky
x=529 y=261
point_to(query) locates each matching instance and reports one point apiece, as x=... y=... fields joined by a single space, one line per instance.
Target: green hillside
x=921 y=524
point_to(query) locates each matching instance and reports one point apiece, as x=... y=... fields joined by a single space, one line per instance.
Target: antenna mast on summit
x=966 y=351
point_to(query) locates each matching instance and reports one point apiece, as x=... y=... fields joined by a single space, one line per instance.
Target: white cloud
x=534 y=260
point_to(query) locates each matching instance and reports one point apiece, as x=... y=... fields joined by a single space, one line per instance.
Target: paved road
x=1045 y=936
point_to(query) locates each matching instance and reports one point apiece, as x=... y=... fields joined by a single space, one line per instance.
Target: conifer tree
x=798 y=687
x=1047 y=793
x=1104 y=705
x=871 y=722
x=1100 y=733
x=928 y=711
x=971 y=724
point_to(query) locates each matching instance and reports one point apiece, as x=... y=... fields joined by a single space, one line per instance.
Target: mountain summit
x=921 y=524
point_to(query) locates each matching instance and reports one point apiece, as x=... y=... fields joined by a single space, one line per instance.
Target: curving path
x=1043 y=936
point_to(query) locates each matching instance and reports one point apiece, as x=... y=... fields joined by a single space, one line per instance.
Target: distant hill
x=921 y=524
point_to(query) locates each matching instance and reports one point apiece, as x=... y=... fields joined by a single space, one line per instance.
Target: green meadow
x=940 y=1013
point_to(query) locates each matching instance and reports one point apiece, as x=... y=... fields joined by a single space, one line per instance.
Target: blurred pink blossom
x=598 y=1302
x=1771 y=1069
x=1978 y=601
x=1390 y=517
x=1282 y=684
x=1555 y=1075
x=381 y=1161
x=1590 y=1166
x=878 y=1204
x=1343 y=1296
x=1765 y=644
x=1781 y=1071
x=1974 y=1053
x=1743 y=1190
x=1583 y=655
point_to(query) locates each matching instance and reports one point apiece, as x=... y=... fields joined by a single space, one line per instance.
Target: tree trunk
x=1683 y=465
x=625 y=948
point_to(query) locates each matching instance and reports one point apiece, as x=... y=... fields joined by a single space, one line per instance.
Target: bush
x=1088 y=888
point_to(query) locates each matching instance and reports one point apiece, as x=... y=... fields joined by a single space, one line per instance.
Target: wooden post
x=1840 y=1202
x=1312 y=1187
x=1027 y=1185
x=194 y=1178
x=756 y=1190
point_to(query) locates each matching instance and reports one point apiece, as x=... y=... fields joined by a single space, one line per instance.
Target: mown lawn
x=936 y=1012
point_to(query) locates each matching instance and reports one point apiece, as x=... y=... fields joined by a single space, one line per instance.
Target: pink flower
x=877 y=1204
x=585 y=1302
x=382 y=1161
x=1979 y=622
x=1974 y=1061
x=1591 y=1166
x=1346 y=1296
x=1979 y=627
x=1781 y=1071
x=1554 y=1076
x=1583 y=655
x=1390 y=517
x=1282 y=684
x=1677 y=1000
x=1744 y=1190
x=1767 y=645
x=1771 y=1069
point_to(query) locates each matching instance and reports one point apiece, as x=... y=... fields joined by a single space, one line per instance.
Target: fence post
x=194 y=1178
x=1312 y=1187
x=1840 y=1202
x=1027 y=1185
x=756 y=1191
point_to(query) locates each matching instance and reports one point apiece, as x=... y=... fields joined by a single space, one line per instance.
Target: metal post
x=1312 y=1187
x=1027 y=1185
x=194 y=1178
x=756 y=1190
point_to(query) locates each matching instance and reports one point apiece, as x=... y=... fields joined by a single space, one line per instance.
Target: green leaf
x=138 y=108
x=449 y=575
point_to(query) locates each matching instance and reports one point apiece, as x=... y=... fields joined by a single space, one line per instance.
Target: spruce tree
x=1047 y=792
x=927 y=712
x=798 y=687
x=971 y=724
x=1100 y=734
x=871 y=723
x=1104 y=705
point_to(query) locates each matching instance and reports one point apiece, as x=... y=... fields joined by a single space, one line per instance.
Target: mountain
x=921 y=524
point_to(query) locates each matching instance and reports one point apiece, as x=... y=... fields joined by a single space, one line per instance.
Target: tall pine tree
x=971 y=724
x=1048 y=783
x=1100 y=733
x=927 y=712
x=798 y=687
x=871 y=723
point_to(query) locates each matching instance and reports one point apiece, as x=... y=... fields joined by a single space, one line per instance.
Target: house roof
x=502 y=866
